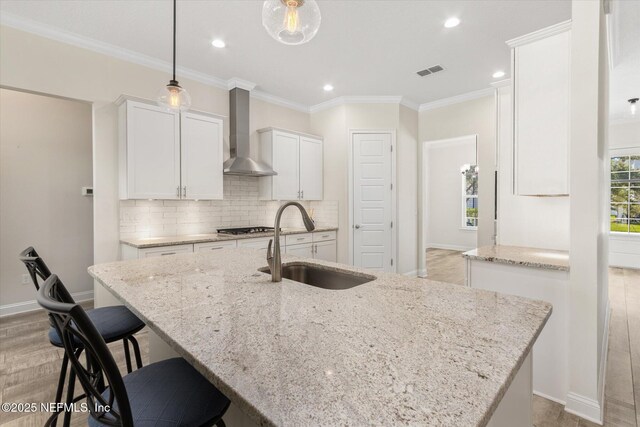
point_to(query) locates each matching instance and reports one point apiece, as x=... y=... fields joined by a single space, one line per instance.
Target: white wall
x=334 y=124
x=476 y=116
x=538 y=222
x=624 y=135
x=444 y=160
x=32 y=62
x=588 y=297
x=45 y=159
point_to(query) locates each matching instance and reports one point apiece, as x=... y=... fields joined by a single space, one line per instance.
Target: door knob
x=357 y=226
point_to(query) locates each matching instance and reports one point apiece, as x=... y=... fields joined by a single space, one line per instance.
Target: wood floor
x=622 y=389
x=29 y=365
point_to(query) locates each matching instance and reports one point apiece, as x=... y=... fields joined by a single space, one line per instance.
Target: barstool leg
x=70 y=391
x=63 y=376
x=136 y=351
x=127 y=356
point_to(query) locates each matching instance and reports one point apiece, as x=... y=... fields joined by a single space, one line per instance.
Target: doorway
x=46 y=162
x=372 y=200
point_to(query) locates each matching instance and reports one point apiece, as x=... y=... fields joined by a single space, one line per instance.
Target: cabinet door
x=153 y=152
x=310 y=168
x=305 y=250
x=201 y=145
x=541 y=88
x=326 y=251
x=286 y=149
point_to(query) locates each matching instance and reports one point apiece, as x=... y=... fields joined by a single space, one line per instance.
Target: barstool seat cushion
x=170 y=393
x=113 y=323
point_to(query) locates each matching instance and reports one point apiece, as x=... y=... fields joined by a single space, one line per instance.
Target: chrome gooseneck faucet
x=275 y=260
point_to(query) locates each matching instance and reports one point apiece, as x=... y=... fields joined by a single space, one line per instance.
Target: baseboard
x=422 y=273
x=413 y=273
x=449 y=247
x=584 y=407
x=603 y=357
x=24 y=307
x=546 y=396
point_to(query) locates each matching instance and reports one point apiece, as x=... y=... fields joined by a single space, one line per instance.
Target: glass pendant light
x=632 y=105
x=291 y=22
x=173 y=97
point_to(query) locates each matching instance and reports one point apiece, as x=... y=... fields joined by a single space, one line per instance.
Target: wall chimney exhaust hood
x=240 y=162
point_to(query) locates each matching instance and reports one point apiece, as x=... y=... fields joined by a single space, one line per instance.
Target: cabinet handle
x=325 y=235
x=184 y=191
x=178 y=191
x=298 y=194
x=300 y=238
x=168 y=253
x=302 y=194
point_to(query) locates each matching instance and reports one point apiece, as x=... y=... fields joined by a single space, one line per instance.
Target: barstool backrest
x=35 y=265
x=100 y=370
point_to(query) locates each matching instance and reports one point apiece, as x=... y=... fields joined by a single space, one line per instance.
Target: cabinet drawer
x=304 y=250
x=324 y=236
x=297 y=239
x=259 y=243
x=211 y=246
x=164 y=251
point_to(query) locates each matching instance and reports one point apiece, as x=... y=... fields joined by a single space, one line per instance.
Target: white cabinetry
x=541 y=63
x=297 y=158
x=166 y=155
x=326 y=251
x=317 y=245
x=201 y=145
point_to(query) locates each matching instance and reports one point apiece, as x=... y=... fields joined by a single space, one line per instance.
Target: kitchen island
x=393 y=351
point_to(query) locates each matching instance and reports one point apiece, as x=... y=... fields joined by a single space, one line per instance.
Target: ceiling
x=363 y=48
x=624 y=32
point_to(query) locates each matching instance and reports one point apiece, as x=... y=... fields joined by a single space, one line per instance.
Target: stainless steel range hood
x=240 y=162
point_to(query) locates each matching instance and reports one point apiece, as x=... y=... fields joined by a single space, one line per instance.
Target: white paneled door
x=372 y=198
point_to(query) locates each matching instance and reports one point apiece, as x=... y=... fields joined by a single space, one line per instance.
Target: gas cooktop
x=245 y=230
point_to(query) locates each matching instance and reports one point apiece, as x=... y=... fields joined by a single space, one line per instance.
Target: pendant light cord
x=174 y=40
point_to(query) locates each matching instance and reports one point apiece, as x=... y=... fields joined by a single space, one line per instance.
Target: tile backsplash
x=240 y=207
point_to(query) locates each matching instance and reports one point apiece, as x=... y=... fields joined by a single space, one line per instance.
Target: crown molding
x=501 y=83
x=623 y=120
x=456 y=99
x=543 y=33
x=49 y=32
x=342 y=100
x=276 y=100
x=236 y=82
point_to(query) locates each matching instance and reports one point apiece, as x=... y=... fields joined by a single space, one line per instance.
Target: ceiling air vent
x=430 y=70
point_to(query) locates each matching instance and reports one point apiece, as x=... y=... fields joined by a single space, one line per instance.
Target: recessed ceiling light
x=218 y=43
x=498 y=74
x=327 y=88
x=451 y=22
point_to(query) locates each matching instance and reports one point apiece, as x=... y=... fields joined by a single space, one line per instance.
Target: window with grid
x=625 y=194
x=470 y=196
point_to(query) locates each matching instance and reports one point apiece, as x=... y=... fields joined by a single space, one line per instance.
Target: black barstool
x=167 y=393
x=113 y=323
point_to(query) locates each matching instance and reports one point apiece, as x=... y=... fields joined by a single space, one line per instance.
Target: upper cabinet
x=297 y=159
x=166 y=155
x=540 y=73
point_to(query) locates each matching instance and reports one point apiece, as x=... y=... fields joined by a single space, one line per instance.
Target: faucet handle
x=270 y=254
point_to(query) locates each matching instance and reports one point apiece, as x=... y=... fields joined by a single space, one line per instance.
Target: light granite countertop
x=152 y=242
x=394 y=351
x=517 y=255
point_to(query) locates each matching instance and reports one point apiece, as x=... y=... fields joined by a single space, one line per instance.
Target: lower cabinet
x=326 y=251
x=306 y=245
x=304 y=250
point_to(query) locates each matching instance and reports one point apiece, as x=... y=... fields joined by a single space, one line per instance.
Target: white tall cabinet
x=297 y=158
x=166 y=156
x=541 y=62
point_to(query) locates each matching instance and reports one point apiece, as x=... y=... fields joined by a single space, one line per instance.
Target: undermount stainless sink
x=321 y=277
